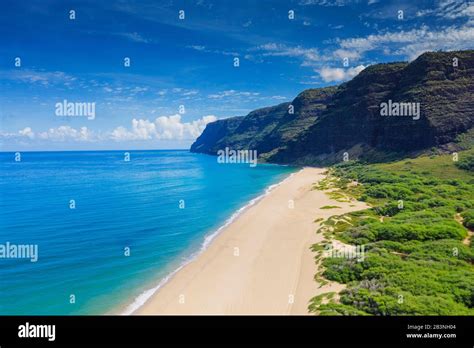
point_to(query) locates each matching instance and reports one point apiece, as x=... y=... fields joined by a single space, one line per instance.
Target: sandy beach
x=261 y=263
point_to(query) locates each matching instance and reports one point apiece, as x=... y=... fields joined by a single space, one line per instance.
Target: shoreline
x=140 y=300
x=258 y=262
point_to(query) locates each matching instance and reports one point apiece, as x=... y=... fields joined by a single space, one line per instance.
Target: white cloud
x=327 y=3
x=310 y=55
x=21 y=135
x=342 y=53
x=197 y=47
x=412 y=43
x=450 y=9
x=339 y=74
x=232 y=93
x=41 y=77
x=279 y=97
x=162 y=92
x=27 y=132
x=208 y=50
x=162 y=128
x=61 y=133
x=190 y=92
x=464 y=9
x=138 y=90
x=67 y=133
x=135 y=37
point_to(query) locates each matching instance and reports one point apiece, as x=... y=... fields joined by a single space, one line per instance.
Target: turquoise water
x=118 y=205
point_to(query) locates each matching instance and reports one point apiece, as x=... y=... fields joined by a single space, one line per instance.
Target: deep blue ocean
x=118 y=205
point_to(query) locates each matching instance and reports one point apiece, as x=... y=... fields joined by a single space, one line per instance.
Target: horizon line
x=189 y=150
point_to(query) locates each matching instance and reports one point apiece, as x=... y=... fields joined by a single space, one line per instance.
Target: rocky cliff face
x=214 y=133
x=387 y=109
x=267 y=130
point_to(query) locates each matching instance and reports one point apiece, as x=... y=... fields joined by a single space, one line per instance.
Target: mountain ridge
x=325 y=125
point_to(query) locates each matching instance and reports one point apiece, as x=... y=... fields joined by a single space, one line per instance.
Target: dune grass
x=330 y=207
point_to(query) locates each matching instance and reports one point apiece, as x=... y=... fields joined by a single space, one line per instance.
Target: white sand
x=261 y=263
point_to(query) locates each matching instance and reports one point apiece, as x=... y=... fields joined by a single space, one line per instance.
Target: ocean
x=109 y=232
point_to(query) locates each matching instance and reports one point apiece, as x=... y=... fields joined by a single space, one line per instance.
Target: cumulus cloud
x=162 y=128
x=339 y=74
x=27 y=132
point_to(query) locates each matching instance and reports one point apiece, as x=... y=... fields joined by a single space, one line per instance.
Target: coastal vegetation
x=330 y=207
x=419 y=257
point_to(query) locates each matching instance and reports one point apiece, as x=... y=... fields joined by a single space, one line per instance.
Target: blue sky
x=190 y=61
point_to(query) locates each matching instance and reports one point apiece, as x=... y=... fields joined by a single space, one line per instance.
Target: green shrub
x=468 y=219
x=466 y=163
x=415 y=261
